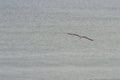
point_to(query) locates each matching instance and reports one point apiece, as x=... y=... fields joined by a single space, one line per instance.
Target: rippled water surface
x=34 y=44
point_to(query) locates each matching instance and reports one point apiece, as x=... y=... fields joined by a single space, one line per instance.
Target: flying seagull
x=80 y=36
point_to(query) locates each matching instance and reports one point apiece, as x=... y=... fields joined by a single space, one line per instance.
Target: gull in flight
x=80 y=36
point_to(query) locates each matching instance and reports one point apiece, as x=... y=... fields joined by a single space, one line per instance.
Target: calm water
x=34 y=44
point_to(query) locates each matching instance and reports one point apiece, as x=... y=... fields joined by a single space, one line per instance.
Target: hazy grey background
x=34 y=44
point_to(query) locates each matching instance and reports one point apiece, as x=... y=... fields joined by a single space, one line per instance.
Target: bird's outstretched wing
x=87 y=38
x=80 y=36
x=74 y=35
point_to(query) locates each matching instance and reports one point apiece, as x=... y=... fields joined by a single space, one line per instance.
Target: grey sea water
x=34 y=44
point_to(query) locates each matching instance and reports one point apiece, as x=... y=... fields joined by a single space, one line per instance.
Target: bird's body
x=80 y=36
